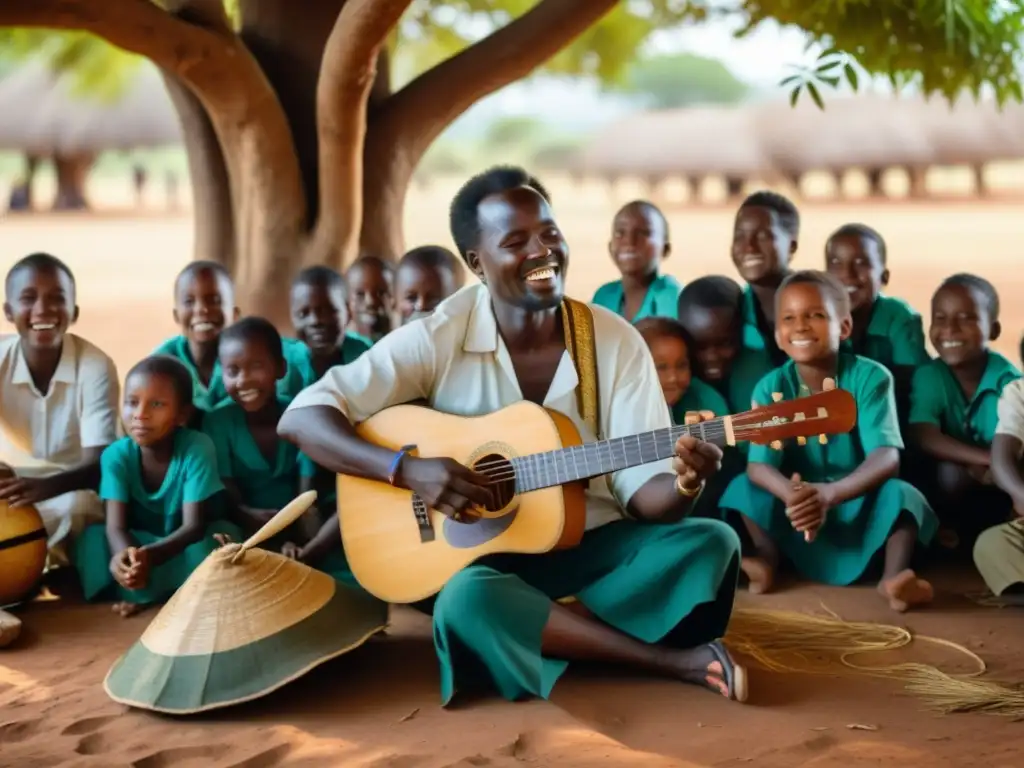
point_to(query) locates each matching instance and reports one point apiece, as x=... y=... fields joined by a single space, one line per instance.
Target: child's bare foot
x=761 y=574
x=126 y=609
x=905 y=590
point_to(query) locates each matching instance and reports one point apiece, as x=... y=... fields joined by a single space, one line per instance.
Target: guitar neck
x=581 y=462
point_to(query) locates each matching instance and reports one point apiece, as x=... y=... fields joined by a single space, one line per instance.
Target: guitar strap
x=578 y=323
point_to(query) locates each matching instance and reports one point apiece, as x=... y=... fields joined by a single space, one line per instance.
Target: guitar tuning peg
x=777 y=397
x=822 y=439
x=828 y=384
x=776 y=445
x=801 y=440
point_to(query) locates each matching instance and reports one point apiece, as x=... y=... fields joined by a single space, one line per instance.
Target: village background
x=688 y=109
x=698 y=105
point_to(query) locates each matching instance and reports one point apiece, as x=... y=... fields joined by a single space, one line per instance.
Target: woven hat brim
x=184 y=685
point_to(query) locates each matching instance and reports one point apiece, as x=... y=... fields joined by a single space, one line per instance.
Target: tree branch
x=242 y=106
x=346 y=79
x=213 y=223
x=421 y=110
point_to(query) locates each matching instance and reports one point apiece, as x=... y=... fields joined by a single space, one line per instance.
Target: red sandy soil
x=378 y=707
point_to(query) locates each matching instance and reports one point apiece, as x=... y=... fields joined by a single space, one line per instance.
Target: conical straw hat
x=246 y=622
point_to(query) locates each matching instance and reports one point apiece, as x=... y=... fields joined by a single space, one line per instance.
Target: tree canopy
x=942 y=46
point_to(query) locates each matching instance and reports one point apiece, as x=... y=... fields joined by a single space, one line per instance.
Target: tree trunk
x=72 y=172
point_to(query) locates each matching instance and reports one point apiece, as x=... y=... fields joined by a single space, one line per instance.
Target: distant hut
x=43 y=117
x=694 y=143
x=872 y=133
x=973 y=134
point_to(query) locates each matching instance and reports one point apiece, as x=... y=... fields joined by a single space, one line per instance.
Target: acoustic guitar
x=401 y=551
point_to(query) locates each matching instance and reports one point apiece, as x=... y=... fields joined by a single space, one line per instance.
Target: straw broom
x=787 y=641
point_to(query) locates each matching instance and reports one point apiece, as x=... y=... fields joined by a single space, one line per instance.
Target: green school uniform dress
x=208 y=398
x=152 y=516
x=855 y=530
x=758 y=333
x=937 y=398
x=661 y=299
x=701 y=396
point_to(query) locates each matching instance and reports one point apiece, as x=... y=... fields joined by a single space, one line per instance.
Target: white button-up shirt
x=456 y=360
x=46 y=432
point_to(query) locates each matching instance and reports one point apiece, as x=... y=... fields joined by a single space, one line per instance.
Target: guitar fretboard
x=581 y=462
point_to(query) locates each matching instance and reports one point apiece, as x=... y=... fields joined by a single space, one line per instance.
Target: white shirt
x=1011 y=410
x=457 y=361
x=44 y=433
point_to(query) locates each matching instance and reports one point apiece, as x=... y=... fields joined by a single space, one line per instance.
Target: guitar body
x=387 y=548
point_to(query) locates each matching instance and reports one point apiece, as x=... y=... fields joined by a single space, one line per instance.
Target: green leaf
x=815 y=96
x=832 y=81
x=851 y=76
x=794 y=95
x=790 y=80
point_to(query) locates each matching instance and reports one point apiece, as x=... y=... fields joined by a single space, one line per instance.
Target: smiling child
x=638 y=246
x=58 y=402
x=319 y=314
x=161 y=488
x=764 y=241
x=830 y=507
x=954 y=406
x=425 y=277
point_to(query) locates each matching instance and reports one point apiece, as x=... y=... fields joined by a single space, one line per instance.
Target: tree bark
x=407 y=123
x=213 y=221
x=72 y=172
x=348 y=74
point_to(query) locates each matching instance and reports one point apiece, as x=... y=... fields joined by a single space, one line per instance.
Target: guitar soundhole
x=503 y=479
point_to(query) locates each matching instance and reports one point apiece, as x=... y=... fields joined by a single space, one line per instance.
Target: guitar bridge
x=422 y=514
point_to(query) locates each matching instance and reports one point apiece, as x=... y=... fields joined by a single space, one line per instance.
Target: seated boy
x=425 y=277
x=999 y=551
x=764 y=240
x=638 y=246
x=58 y=402
x=319 y=313
x=204 y=304
x=954 y=407
x=371 y=298
x=885 y=329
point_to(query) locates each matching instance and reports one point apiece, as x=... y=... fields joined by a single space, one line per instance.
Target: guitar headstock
x=831 y=412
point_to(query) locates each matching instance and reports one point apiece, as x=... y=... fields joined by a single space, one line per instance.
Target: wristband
x=396 y=462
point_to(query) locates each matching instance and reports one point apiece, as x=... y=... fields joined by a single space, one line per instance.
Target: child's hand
x=138 y=575
x=223 y=539
x=807 y=506
x=121 y=567
x=292 y=551
x=980 y=474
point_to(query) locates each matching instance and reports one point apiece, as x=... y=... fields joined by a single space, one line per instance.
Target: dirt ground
x=379 y=706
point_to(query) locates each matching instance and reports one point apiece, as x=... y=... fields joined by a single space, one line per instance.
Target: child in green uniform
x=204 y=303
x=764 y=241
x=685 y=394
x=829 y=508
x=885 y=329
x=319 y=313
x=711 y=313
x=425 y=277
x=954 y=407
x=371 y=298
x=260 y=471
x=160 y=487
x=639 y=244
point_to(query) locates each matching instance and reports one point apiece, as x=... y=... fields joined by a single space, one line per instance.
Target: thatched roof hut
x=42 y=116
x=970 y=133
x=859 y=132
x=694 y=142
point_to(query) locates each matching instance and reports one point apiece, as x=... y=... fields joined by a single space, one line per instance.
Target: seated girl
x=831 y=506
x=160 y=488
x=260 y=471
x=686 y=394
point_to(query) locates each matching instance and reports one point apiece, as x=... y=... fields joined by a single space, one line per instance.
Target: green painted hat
x=246 y=622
